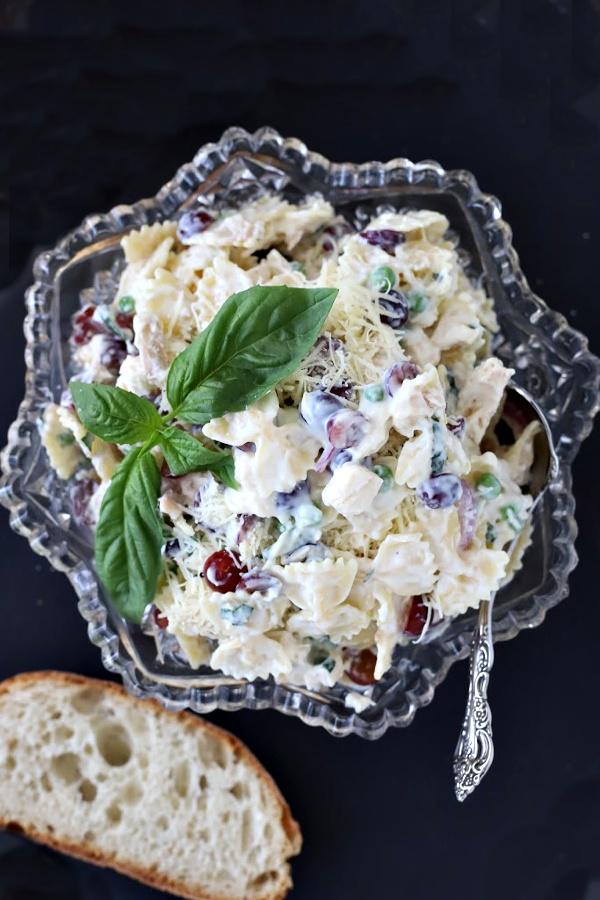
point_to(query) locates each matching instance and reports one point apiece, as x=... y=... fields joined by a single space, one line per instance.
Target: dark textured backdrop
x=99 y=104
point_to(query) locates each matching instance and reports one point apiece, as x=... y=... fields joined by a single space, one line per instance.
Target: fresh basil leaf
x=225 y=472
x=129 y=535
x=184 y=453
x=115 y=415
x=257 y=338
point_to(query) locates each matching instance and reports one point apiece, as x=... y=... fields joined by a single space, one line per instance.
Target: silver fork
x=475 y=749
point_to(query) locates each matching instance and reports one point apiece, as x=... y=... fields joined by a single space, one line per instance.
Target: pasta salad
x=359 y=501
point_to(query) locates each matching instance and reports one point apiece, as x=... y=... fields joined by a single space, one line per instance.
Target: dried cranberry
x=160 y=619
x=456 y=424
x=385 y=238
x=417 y=617
x=124 y=321
x=193 y=222
x=85 y=326
x=361 y=667
x=397 y=374
x=396 y=309
x=440 y=491
x=223 y=571
x=258 y=581
x=114 y=351
x=327 y=246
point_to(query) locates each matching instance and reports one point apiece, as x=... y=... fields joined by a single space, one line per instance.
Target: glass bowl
x=551 y=361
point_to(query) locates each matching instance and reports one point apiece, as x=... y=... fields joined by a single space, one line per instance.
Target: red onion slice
x=467 y=515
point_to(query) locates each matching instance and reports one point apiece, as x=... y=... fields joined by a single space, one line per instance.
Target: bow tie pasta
x=373 y=498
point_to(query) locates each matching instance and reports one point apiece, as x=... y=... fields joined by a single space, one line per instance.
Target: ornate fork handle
x=475 y=749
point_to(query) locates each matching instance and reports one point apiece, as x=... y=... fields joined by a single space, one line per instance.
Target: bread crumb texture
x=164 y=797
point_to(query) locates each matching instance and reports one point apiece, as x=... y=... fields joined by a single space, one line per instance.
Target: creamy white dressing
x=329 y=516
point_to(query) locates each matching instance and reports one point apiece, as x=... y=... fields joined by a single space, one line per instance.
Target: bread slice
x=163 y=797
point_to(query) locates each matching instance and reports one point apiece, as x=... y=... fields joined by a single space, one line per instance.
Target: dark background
x=99 y=104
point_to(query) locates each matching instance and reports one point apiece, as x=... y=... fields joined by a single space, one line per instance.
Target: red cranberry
x=395 y=375
x=417 y=617
x=193 y=222
x=160 y=619
x=223 y=571
x=361 y=667
x=85 y=327
x=440 y=491
x=385 y=238
x=124 y=320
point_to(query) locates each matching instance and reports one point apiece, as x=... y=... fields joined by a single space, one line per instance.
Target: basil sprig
x=257 y=338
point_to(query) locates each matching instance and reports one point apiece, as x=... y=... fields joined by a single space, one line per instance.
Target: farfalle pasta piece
x=480 y=396
x=259 y=657
x=140 y=245
x=405 y=565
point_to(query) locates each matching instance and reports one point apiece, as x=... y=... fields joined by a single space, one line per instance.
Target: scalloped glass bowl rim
x=338 y=181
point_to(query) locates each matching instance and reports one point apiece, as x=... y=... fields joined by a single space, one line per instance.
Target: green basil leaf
x=115 y=415
x=257 y=338
x=129 y=535
x=184 y=453
x=225 y=472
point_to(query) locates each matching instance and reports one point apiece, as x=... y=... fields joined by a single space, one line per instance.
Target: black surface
x=100 y=104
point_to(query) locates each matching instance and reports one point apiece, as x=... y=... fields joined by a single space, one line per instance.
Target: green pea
x=297 y=267
x=487 y=486
x=382 y=278
x=490 y=533
x=417 y=301
x=511 y=516
x=386 y=475
x=127 y=304
x=374 y=393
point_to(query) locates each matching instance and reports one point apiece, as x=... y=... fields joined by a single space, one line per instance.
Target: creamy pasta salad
x=373 y=499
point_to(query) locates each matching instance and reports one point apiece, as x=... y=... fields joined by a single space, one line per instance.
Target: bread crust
x=87 y=852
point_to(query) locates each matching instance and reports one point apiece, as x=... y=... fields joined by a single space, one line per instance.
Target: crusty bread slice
x=163 y=797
